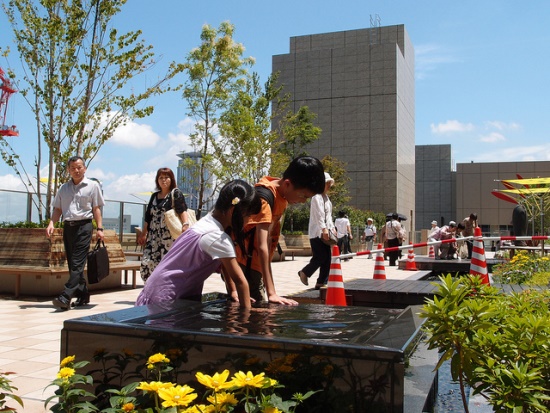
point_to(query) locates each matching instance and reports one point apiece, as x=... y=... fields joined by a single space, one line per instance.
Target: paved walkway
x=30 y=329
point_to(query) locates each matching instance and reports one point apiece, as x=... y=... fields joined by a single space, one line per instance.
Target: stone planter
x=297 y=241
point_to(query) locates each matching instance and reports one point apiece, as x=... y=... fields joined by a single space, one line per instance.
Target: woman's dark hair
x=341 y=214
x=244 y=198
x=165 y=171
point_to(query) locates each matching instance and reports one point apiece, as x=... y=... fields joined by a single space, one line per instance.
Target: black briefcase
x=98 y=263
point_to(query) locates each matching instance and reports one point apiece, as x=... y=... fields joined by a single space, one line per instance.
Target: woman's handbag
x=172 y=220
x=332 y=238
x=98 y=263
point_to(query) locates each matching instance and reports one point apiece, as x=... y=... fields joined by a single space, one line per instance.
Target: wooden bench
x=19 y=271
x=26 y=253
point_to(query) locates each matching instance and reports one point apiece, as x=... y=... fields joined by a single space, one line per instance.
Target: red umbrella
x=505 y=197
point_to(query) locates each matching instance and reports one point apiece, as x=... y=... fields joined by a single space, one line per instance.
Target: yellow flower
x=154 y=386
x=241 y=379
x=65 y=373
x=177 y=396
x=271 y=382
x=67 y=360
x=223 y=398
x=217 y=382
x=128 y=407
x=271 y=410
x=157 y=358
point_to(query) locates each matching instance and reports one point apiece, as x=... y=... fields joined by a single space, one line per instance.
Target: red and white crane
x=6 y=90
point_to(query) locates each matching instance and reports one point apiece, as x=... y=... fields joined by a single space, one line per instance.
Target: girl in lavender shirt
x=204 y=249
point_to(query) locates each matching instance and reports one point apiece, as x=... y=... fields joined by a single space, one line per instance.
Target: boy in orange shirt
x=303 y=178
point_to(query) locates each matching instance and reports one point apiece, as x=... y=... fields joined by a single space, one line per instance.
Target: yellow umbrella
x=527 y=191
x=528 y=181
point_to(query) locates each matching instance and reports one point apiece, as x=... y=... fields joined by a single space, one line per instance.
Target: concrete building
x=443 y=194
x=360 y=83
x=187 y=182
x=435 y=186
x=476 y=181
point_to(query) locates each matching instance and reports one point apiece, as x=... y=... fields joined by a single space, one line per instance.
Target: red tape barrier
x=447 y=241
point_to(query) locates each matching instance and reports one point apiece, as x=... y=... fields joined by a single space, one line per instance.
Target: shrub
x=497 y=343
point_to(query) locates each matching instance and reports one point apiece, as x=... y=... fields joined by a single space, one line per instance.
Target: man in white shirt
x=369 y=235
x=343 y=232
x=393 y=229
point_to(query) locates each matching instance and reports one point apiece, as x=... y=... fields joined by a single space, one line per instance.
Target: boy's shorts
x=255 y=284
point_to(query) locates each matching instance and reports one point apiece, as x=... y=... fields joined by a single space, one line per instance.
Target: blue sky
x=482 y=75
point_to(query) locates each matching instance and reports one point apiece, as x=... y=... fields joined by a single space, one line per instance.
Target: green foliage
x=297 y=218
x=77 y=76
x=22 y=224
x=298 y=130
x=339 y=193
x=247 y=127
x=522 y=268
x=217 y=73
x=6 y=393
x=497 y=343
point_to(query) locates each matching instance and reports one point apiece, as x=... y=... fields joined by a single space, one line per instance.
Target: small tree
x=296 y=131
x=216 y=74
x=76 y=69
x=339 y=191
x=247 y=127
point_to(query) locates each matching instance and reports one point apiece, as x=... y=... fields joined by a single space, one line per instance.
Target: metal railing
x=121 y=216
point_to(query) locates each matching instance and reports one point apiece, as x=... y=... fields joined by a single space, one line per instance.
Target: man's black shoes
x=62 y=302
x=82 y=300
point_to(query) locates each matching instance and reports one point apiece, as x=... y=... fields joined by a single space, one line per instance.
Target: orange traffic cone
x=336 y=294
x=379 y=269
x=411 y=264
x=478 y=265
x=431 y=254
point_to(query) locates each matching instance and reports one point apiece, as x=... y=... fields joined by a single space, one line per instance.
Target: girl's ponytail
x=242 y=196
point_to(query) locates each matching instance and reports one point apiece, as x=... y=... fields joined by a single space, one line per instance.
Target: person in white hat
x=369 y=235
x=434 y=235
x=320 y=225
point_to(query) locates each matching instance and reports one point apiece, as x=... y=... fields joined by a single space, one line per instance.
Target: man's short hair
x=74 y=159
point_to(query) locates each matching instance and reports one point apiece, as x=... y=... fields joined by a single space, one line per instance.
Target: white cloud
x=451 y=126
x=428 y=58
x=499 y=125
x=493 y=137
x=175 y=144
x=99 y=174
x=11 y=182
x=131 y=187
x=512 y=154
x=135 y=135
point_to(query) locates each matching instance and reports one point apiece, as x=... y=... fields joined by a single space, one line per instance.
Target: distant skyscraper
x=188 y=182
x=360 y=83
